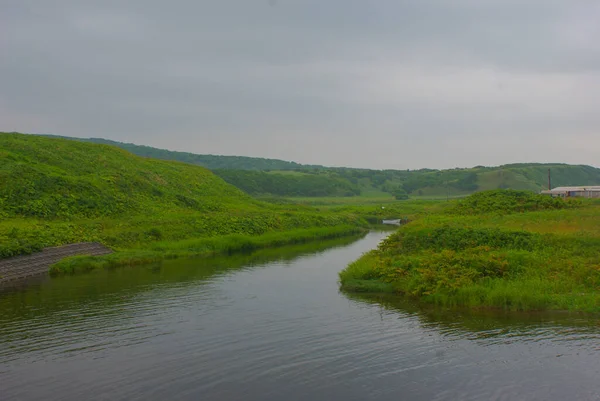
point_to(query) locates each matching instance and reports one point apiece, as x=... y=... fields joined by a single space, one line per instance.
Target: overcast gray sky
x=364 y=83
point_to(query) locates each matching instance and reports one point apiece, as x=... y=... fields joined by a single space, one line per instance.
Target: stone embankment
x=38 y=263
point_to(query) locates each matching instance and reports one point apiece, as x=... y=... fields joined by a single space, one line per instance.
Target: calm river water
x=273 y=326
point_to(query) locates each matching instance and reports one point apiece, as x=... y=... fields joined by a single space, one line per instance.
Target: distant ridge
x=261 y=176
x=211 y=162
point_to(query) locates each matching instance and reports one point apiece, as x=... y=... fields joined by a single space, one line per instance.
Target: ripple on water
x=276 y=331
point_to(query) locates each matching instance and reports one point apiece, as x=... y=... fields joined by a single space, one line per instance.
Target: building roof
x=591 y=188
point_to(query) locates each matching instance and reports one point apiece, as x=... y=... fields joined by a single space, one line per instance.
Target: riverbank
x=494 y=250
x=201 y=247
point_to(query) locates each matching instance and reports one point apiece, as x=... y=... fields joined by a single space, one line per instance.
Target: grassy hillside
x=319 y=181
x=55 y=191
x=209 y=161
x=46 y=178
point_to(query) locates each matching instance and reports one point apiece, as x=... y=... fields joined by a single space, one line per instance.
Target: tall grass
x=529 y=260
x=195 y=247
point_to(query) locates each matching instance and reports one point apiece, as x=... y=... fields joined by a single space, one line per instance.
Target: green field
x=501 y=249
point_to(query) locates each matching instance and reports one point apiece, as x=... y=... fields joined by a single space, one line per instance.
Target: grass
x=363 y=199
x=55 y=191
x=200 y=247
x=524 y=253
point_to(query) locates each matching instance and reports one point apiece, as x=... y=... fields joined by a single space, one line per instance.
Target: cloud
x=382 y=84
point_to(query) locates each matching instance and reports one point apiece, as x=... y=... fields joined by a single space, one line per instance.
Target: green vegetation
x=406 y=210
x=196 y=247
x=509 y=201
x=55 y=191
x=400 y=194
x=211 y=162
x=54 y=178
x=504 y=249
x=288 y=185
x=297 y=180
x=400 y=184
x=329 y=201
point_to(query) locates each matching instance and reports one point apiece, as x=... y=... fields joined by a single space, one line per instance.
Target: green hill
x=41 y=177
x=417 y=183
x=527 y=176
x=209 y=161
x=274 y=177
x=55 y=191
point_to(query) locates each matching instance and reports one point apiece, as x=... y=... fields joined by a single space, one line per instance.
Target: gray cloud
x=382 y=84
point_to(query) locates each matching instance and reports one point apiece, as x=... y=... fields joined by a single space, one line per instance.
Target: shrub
x=505 y=201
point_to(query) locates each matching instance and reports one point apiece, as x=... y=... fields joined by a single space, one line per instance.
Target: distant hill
x=283 y=183
x=283 y=178
x=418 y=183
x=524 y=176
x=211 y=162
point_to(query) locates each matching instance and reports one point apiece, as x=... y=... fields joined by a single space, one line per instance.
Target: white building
x=592 y=191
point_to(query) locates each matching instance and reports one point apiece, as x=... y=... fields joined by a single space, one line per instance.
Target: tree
x=400 y=194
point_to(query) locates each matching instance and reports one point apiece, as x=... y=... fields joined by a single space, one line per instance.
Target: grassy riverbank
x=26 y=235
x=201 y=247
x=499 y=249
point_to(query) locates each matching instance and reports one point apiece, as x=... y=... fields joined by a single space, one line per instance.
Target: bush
x=400 y=194
x=505 y=201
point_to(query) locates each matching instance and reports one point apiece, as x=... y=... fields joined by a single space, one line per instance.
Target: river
x=273 y=326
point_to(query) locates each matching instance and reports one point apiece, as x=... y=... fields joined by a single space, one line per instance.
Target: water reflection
x=86 y=312
x=490 y=325
x=269 y=326
x=30 y=296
